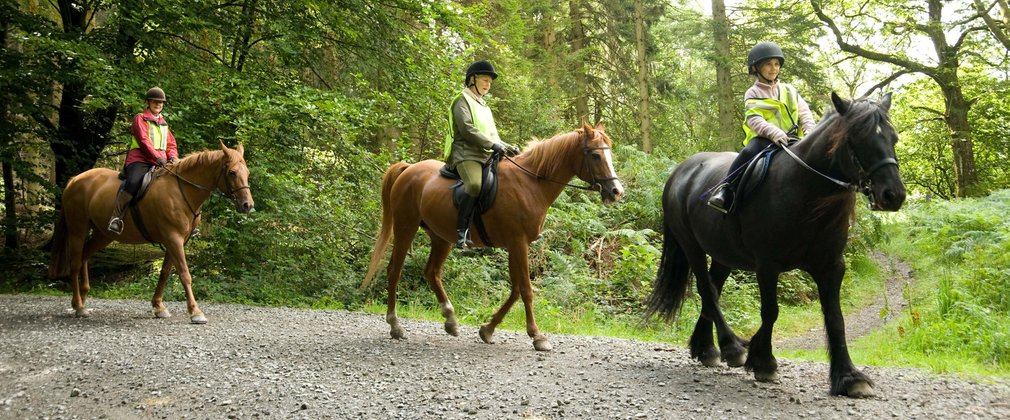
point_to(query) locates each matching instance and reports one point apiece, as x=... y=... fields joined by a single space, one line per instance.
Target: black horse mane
x=861 y=119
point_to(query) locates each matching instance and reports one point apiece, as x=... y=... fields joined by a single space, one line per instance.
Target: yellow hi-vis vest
x=157 y=132
x=482 y=120
x=782 y=112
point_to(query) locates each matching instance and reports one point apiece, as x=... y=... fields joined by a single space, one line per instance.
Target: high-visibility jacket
x=152 y=139
x=782 y=112
x=483 y=121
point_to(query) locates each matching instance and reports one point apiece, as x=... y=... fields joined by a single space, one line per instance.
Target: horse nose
x=617 y=191
x=245 y=206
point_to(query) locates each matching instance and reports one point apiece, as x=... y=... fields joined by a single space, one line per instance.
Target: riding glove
x=505 y=149
x=162 y=161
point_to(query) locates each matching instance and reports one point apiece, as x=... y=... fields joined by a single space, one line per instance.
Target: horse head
x=234 y=179
x=597 y=163
x=870 y=161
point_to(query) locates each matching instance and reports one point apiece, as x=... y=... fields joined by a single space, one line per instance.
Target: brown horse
x=169 y=211
x=415 y=195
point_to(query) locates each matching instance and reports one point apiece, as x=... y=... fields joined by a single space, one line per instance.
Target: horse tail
x=671 y=279
x=386 y=229
x=59 y=263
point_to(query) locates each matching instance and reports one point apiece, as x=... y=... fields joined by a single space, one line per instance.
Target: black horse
x=797 y=218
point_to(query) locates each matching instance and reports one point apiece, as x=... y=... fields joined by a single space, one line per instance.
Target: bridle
x=231 y=194
x=863 y=182
x=595 y=185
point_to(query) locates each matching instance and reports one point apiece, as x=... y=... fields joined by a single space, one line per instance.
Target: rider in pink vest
x=152 y=144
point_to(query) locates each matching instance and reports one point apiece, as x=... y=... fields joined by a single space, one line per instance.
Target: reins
x=196 y=212
x=595 y=185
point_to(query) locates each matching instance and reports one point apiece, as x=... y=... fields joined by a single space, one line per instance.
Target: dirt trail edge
x=252 y=362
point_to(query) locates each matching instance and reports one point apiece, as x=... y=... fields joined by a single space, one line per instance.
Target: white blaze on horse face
x=618 y=188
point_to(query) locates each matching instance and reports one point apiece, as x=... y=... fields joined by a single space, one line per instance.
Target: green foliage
x=960 y=250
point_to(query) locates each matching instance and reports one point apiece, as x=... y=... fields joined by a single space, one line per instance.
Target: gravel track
x=253 y=362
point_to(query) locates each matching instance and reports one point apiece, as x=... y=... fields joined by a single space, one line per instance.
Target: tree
x=728 y=124
x=908 y=24
x=645 y=119
x=998 y=25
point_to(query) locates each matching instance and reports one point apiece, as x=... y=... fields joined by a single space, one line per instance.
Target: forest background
x=325 y=94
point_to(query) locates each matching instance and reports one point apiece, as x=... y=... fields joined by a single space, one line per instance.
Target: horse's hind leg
x=760 y=358
x=710 y=285
x=157 y=302
x=401 y=244
x=75 y=248
x=433 y=274
x=845 y=378
x=95 y=244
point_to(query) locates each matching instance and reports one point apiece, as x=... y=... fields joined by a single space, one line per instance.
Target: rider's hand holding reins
x=505 y=149
x=162 y=162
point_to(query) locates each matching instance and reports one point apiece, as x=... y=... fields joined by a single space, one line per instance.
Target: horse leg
x=175 y=252
x=845 y=378
x=75 y=248
x=760 y=358
x=701 y=343
x=519 y=272
x=433 y=274
x=157 y=304
x=96 y=243
x=401 y=244
x=732 y=348
x=486 y=331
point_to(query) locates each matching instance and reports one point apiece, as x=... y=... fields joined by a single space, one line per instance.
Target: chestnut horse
x=415 y=195
x=169 y=211
x=798 y=218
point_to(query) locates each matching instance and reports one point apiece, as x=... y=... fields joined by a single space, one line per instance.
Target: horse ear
x=587 y=129
x=885 y=102
x=240 y=149
x=223 y=147
x=841 y=105
x=599 y=126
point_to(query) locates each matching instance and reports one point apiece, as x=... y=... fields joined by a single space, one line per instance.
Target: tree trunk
x=578 y=42
x=643 y=78
x=962 y=145
x=729 y=128
x=10 y=209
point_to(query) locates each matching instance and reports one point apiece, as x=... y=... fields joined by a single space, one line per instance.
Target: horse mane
x=198 y=159
x=543 y=156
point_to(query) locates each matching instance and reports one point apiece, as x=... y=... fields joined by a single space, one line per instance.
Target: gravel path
x=252 y=362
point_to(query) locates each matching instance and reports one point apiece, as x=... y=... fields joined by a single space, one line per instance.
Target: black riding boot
x=466 y=205
x=722 y=198
x=116 y=222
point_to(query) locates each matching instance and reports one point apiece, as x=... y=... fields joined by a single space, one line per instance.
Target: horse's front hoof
x=485 y=333
x=198 y=319
x=768 y=377
x=540 y=343
x=860 y=390
x=397 y=333
x=164 y=313
x=82 y=312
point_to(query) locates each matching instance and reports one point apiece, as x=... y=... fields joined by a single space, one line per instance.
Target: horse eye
x=232 y=174
x=596 y=156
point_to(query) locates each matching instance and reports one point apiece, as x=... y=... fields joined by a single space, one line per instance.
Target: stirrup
x=116 y=225
x=463 y=239
x=718 y=199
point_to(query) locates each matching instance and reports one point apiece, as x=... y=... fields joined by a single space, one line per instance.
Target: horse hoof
x=82 y=312
x=736 y=361
x=198 y=319
x=486 y=333
x=709 y=361
x=164 y=313
x=860 y=390
x=452 y=329
x=772 y=377
x=542 y=344
x=397 y=333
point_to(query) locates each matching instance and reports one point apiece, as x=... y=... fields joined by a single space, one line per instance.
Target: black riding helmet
x=761 y=52
x=479 y=67
x=156 y=94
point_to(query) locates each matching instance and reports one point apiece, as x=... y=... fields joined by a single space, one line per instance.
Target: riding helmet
x=156 y=94
x=480 y=67
x=761 y=52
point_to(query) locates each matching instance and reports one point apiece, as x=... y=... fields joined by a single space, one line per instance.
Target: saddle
x=754 y=175
x=145 y=184
x=488 y=191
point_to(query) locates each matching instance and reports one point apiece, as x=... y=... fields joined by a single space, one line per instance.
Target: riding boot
x=116 y=222
x=722 y=198
x=466 y=205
